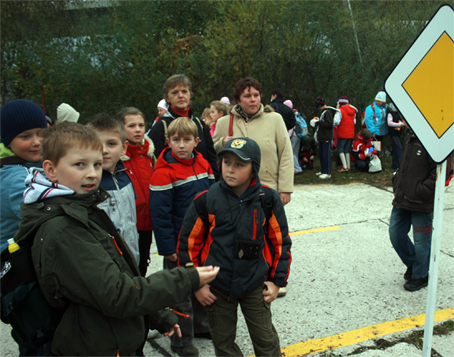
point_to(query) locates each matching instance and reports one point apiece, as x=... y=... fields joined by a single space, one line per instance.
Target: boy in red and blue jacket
x=180 y=173
x=248 y=241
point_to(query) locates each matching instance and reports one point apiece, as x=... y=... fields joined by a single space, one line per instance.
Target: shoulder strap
x=231 y=125
x=200 y=203
x=373 y=111
x=200 y=123
x=12 y=160
x=266 y=196
x=165 y=129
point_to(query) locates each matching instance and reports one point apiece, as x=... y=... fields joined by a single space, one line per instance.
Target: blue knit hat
x=18 y=116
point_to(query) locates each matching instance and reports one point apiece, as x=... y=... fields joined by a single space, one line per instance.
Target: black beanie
x=18 y=116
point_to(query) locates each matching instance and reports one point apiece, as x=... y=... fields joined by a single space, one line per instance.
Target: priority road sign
x=422 y=85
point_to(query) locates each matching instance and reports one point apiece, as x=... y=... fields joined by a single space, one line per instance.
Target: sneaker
x=416 y=284
x=318 y=174
x=342 y=170
x=408 y=273
x=190 y=351
x=152 y=334
x=282 y=292
x=324 y=176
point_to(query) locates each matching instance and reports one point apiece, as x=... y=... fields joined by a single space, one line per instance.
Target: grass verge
x=380 y=179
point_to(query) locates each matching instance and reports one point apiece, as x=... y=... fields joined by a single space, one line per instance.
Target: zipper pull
x=115 y=242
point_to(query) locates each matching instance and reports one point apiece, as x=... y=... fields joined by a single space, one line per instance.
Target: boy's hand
x=205 y=296
x=270 y=292
x=207 y=274
x=171 y=257
x=172 y=330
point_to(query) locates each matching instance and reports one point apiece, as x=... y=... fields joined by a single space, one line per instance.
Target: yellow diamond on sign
x=431 y=85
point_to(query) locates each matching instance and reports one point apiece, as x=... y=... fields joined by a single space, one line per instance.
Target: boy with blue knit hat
x=20 y=124
x=239 y=225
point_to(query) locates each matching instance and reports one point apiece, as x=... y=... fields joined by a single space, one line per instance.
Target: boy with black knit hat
x=251 y=247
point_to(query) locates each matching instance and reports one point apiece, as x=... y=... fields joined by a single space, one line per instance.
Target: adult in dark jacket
x=414 y=190
x=277 y=102
x=177 y=93
x=324 y=133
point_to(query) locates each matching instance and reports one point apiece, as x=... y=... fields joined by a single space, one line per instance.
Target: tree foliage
x=101 y=58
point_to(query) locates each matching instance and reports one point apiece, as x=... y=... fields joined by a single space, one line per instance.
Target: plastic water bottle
x=12 y=246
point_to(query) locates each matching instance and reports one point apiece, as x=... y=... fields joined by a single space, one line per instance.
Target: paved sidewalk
x=345 y=277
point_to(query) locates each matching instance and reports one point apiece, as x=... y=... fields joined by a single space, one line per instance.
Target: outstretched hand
x=207 y=274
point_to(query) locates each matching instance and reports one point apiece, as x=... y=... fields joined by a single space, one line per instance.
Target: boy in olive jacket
x=81 y=261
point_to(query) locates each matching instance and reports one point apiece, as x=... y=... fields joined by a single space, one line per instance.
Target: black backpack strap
x=200 y=204
x=266 y=196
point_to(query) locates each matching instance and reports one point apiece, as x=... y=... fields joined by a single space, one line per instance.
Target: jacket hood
x=5 y=151
x=40 y=187
x=45 y=200
x=349 y=109
x=255 y=172
x=147 y=144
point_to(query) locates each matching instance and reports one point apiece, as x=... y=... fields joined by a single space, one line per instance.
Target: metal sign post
x=434 y=259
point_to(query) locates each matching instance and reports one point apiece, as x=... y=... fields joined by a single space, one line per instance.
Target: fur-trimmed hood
x=146 y=143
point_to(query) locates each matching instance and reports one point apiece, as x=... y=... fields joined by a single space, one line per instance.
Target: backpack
x=300 y=126
x=23 y=305
x=266 y=196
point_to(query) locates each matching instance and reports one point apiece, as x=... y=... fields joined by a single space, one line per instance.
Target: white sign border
x=438 y=148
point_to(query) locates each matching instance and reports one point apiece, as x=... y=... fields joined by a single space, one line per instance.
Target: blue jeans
x=296 y=143
x=417 y=254
x=324 y=151
x=397 y=152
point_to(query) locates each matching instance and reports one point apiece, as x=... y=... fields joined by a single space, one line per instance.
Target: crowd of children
x=96 y=193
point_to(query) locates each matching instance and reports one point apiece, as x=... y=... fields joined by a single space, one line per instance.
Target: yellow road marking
x=315 y=230
x=363 y=334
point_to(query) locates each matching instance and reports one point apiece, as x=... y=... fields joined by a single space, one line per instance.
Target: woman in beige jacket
x=267 y=129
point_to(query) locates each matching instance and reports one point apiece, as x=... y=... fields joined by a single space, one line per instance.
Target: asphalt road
x=346 y=280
